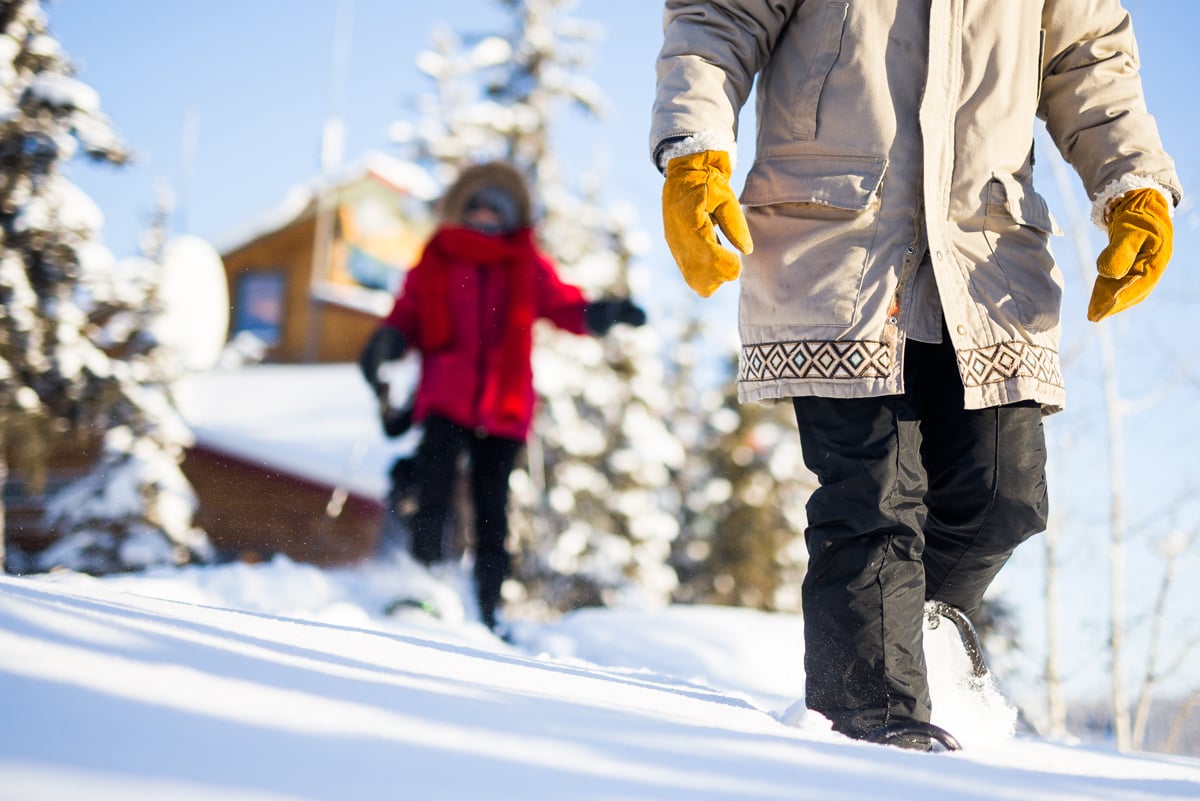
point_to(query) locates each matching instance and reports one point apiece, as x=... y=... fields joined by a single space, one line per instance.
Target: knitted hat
x=476 y=178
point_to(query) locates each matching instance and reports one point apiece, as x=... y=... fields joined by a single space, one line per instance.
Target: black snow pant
x=919 y=499
x=491 y=461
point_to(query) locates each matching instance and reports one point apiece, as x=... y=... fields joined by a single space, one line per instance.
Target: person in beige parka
x=897 y=283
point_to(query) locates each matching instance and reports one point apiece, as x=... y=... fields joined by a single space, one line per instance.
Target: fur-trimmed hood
x=494 y=173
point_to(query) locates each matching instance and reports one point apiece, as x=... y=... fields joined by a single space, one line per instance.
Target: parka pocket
x=814 y=220
x=835 y=183
x=1018 y=263
x=807 y=92
x=1009 y=197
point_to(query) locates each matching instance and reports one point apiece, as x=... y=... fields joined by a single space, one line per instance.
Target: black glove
x=385 y=345
x=601 y=315
x=396 y=421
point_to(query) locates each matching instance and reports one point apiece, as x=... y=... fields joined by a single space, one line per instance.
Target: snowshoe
x=419 y=604
x=503 y=631
x=966 y=697
x=915 y=735
x=936 y=612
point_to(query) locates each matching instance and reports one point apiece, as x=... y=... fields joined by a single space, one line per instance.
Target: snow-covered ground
x=282 y=681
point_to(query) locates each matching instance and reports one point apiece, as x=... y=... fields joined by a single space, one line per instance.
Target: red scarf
x=514 y=253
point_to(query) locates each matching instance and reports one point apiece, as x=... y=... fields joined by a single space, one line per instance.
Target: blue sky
x=256 y=78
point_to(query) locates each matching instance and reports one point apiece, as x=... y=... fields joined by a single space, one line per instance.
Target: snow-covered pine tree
x=744 y=489
x=594 y=513
x=63 y=371
x=46 y=367
x=134 y=508
x=702 y=417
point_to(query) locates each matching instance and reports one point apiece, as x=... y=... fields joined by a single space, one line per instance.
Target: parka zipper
x=891 y=326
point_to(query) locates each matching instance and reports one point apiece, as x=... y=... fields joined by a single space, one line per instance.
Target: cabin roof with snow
x=317 y=422
x=288 y=458
x=309 y=278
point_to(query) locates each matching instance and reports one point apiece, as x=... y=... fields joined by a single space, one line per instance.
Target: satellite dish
x=195 y=300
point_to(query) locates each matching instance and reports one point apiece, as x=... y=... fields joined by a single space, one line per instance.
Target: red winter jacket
x=468 y=307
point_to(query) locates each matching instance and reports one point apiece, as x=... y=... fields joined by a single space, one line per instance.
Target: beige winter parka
x=896 y=132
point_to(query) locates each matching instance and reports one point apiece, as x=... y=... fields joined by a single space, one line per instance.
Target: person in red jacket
x=468 y=307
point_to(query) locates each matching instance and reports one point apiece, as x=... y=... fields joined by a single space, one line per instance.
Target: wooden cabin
x=25 y=501
x=311 y=278
x=288 y=459
x=307 y=284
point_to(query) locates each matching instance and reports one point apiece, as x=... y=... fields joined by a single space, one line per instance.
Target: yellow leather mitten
x=695 y=195
x=1139 y=246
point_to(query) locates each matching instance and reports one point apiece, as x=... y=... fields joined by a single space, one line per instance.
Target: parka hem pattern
x=993 y=376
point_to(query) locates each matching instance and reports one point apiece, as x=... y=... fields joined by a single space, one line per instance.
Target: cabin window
x=258 y=305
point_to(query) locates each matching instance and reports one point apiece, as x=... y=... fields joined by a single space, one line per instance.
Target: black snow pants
x=491 y=461
x=919 y=499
